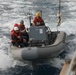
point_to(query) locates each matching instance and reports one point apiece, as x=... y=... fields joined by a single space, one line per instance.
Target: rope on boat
x=59 y=15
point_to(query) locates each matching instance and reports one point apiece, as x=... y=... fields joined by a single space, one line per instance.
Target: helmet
x=38 y=14
x=16 y=28
x=21 y=21
x=16 y=25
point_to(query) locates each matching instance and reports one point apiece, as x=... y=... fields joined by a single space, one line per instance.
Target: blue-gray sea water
x=12 y=11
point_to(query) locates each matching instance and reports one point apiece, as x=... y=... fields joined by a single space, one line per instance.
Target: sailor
x=16 y=38
x=23 y=30
x=38 y=21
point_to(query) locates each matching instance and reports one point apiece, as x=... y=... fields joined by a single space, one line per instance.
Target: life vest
x=21 y=27
x=38 y=21
x=17 y=35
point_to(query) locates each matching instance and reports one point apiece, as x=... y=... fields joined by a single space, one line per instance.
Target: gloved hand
x=19 y=46
x=24 y=40
x=18 y=36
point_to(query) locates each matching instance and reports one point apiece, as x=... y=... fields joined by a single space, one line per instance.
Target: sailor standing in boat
x=23 y=30
x=38 y=21
x=16 y=38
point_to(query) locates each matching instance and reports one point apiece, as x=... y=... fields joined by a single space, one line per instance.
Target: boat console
x=39 y=35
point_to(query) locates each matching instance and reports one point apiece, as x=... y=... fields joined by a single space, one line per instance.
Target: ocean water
x=12 y=11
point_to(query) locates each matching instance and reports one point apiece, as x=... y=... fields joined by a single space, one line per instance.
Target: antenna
x=59 y=6
x=30 y=16
x=41 y=12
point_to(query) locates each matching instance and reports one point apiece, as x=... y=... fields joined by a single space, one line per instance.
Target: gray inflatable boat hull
x=43 y=52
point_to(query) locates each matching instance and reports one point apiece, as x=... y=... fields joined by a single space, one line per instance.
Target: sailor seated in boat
x=23 y=30
x=16 y=38
x=38 y=21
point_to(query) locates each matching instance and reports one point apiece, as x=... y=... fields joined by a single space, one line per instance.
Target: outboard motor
x=38 y=35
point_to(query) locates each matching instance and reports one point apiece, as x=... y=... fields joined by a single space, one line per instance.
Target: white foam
x=57 y=62
x=69 y=27
x=5 y=60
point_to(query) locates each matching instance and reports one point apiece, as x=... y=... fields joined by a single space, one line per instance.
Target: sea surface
x=12 y=11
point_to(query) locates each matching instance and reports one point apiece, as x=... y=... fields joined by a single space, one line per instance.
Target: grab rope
x=59 y=15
